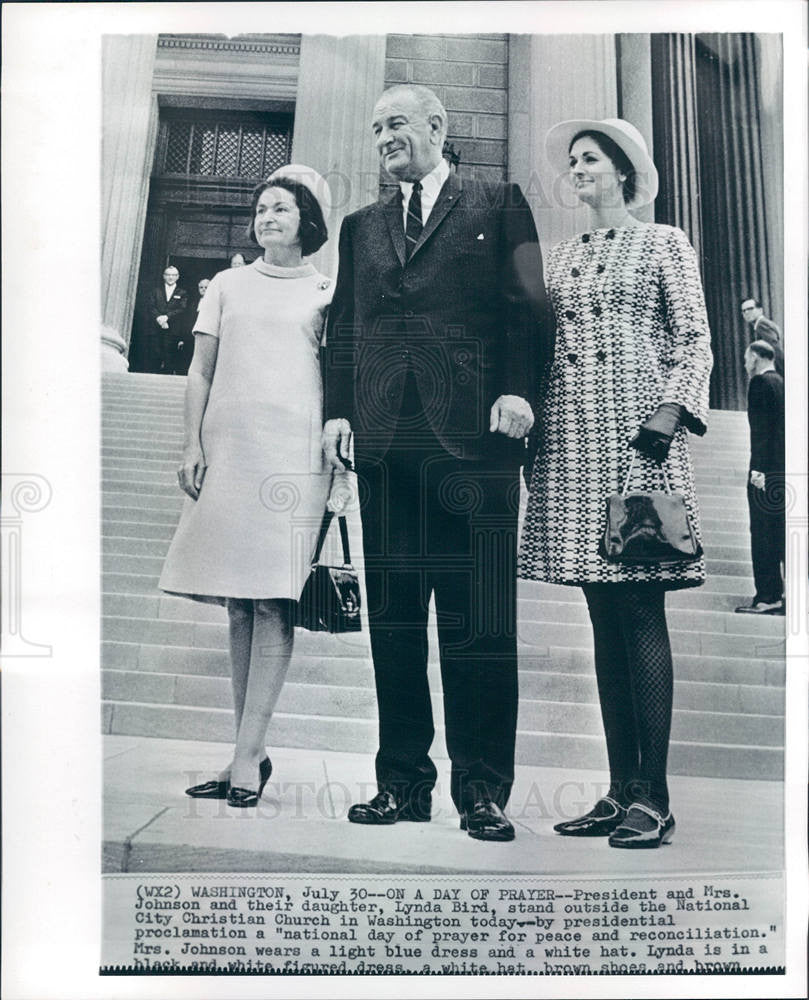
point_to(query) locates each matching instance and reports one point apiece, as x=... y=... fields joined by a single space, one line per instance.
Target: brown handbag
x=648 y=528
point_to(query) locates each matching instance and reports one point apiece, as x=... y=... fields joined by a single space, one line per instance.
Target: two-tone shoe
x=243 y=798
x=643 y=827
x=385 y=808
x=216 y=789
x=603 y=818
x=485 y=820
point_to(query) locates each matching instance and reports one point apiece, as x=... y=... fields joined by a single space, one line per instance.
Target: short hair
x=762 y=349
x=619 y=159
x=312 y=230
x=426 y=100
x=749 y=298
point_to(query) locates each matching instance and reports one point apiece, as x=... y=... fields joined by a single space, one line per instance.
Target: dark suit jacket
x=467 y=314
x=765 y=411
x=174 y=308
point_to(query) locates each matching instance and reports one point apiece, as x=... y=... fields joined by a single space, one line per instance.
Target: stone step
x=540 y=749
x=534 y=637
x=528 y=610
x=145 y=565
x=550 y=712
x=357 y=671
x=698 y=598
x=732 y=589
x=113 y=513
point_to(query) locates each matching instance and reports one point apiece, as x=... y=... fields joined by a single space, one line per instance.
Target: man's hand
x=192 y=471
x=336 y=442
x=758 y=479
x=512 y=416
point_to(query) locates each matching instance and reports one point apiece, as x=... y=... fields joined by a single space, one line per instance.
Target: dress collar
x=274 y=271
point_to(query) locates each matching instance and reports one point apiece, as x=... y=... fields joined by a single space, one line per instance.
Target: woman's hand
x=192 y=471
x=655 y=436
x=343 y=494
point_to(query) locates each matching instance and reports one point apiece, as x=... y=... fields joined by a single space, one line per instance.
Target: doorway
x=208 y=159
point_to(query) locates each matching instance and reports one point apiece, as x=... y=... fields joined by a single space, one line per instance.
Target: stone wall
x=469 y=73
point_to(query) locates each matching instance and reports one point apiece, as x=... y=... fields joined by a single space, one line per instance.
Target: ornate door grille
x=213 y=147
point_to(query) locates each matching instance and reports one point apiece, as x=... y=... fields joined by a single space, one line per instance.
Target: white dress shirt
x=431 y=185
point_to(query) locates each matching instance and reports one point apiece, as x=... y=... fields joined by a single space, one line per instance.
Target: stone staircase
x=165 y=664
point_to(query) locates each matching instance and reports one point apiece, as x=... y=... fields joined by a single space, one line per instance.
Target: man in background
x=763 y=328
x=165 y=311
x=765 y=486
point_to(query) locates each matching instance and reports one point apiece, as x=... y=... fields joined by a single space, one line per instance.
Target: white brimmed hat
x=310 y=179
x=624 y=135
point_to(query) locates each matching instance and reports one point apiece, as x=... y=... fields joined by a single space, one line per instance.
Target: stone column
x=129 y=130
x=769 y=56
x=676 y=132
x=553 y=78
x=635 y=93
x=339 y=80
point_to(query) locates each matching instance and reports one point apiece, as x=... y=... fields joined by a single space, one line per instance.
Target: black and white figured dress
x=632 y=333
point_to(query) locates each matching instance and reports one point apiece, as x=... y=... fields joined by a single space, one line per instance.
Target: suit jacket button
x=409 y=313
x=596 y=310
x=575 y=272
x=570 y=314
x=601 y=355
x=572 y=358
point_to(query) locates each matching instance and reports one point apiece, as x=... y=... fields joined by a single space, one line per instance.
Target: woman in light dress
x=629 y=376
x=252 y=464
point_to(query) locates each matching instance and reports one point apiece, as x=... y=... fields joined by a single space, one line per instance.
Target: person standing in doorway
x=166 y=313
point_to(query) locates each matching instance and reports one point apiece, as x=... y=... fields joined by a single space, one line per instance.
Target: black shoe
x=643 y=827
x=242 y=798
x=486 y=821
x=602 y=819
x=219 y=789
x=761 y=608
x=385 y=808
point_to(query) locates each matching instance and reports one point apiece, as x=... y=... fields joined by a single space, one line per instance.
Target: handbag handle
x=324 y=530
x=632 y=466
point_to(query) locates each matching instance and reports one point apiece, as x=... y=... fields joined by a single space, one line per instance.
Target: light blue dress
x=252 y=532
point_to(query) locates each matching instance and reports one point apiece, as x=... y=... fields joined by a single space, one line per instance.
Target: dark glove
x=655 y=436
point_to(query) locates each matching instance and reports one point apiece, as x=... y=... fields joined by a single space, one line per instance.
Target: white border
x=50 y=131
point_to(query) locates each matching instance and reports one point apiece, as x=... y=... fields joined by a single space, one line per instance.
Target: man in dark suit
x=763 y=328
x=765 y=487
x=436 y=330
x=165 y=311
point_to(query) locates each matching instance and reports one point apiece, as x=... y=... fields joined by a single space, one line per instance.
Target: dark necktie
x=414 y=224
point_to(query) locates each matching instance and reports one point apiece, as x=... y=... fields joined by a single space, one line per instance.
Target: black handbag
x=648 y=527
x=330 y=601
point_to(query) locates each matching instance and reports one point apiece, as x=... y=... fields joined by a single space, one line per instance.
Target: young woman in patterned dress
x=630 y=371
